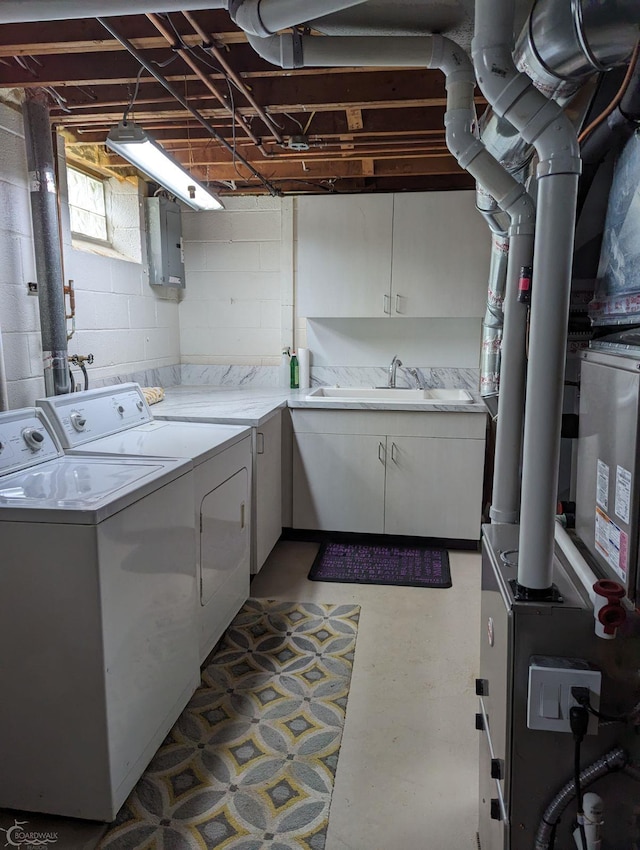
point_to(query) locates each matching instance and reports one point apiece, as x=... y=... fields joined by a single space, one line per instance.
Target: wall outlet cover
x=549 y=700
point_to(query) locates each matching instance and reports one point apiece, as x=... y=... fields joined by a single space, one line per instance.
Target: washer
x=117 y=421
x=98 y=646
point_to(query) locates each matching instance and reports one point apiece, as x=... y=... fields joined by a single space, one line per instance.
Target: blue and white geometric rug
x=251 y=762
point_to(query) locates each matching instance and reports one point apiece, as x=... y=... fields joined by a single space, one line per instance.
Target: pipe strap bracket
x=562 y=164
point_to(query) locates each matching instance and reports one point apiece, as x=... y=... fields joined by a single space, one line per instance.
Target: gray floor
x=408 y=768
x=407 y=773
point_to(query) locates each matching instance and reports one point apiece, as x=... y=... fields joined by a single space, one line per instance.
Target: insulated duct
x=46 y=239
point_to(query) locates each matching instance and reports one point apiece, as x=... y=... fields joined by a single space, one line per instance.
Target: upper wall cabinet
x=415 y=255
x=441 y=248
x=344 y=255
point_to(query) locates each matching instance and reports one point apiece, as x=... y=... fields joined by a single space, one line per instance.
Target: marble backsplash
x=321 y=376
x=326 y=376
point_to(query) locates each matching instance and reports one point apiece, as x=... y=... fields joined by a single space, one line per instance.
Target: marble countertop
x=255 y=405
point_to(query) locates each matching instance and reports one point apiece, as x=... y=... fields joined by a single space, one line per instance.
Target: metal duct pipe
x=46 y=238
x=542 y=124
x=4 y=395
x=265 y=17
x=22 y=11
x=493 y=318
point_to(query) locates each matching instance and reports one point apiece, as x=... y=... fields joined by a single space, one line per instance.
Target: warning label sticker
x=623 y=493
x=602 y=485
x=612 y=543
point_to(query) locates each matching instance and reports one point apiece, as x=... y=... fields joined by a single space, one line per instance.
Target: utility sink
x=390 y=394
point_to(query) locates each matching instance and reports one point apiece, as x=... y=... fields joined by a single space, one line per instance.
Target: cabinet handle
x=259 y=443
x=398 y=303
x=386 y=304
x=394 y=449
x=382 y=455
x=242 y=514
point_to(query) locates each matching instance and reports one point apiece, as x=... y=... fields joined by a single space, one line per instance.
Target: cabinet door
x=268 y=520
x=441 y=248
x=338 y=482
x=224 y=557
x=434 y=487
x=344 y=255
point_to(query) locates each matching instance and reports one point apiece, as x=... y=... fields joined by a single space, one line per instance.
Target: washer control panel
x=25 y=440
x=85 y=416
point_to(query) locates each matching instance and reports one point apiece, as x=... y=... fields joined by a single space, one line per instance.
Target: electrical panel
x=164 y=242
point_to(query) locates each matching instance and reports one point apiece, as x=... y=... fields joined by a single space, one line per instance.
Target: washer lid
x=83 y=490
x=197 y=440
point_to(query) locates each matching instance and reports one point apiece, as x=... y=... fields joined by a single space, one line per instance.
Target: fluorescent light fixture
x=132 y=143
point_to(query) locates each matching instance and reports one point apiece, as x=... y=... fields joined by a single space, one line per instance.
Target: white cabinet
x=344 y=255
x=441 y=249
x=417 y=474
x=414 y=255
x=267 y=490
x=338 y=482
x=434 y=487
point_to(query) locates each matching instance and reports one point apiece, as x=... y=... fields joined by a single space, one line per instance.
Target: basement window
x=87 y=206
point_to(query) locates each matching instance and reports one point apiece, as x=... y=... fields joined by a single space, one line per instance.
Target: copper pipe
x=200 y=74
x=233 y=76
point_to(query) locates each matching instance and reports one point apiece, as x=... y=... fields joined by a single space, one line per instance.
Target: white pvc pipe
x=23 y=11
x=266 y=17
x=542 y=123
x=580 y=567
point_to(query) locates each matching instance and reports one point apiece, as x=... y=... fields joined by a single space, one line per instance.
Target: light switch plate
x=550 y=682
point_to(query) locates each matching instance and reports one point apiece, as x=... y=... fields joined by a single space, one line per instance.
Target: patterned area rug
x=382 y=563
x=250 y=764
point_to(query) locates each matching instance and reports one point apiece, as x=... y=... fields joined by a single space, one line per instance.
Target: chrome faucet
x=414 y=374
x=393 y=368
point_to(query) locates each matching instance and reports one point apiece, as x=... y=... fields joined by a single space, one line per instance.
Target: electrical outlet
x=550 y=682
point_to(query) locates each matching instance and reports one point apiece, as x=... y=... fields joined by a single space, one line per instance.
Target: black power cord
x=579 y=722
x=582 y=697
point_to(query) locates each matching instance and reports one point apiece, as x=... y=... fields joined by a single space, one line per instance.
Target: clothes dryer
x=116 y=420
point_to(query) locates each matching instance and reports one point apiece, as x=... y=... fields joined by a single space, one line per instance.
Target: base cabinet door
x=434 y=487
x=338 y=482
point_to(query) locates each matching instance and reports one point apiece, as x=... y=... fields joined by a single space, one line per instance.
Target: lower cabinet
x=267 y=488
x=338 y=482
x=385 y=472
x=434 y=487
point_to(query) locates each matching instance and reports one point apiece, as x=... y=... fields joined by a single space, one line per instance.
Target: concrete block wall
x=127 y=325
x=231 y=308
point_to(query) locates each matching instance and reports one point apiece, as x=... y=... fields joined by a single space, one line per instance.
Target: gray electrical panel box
x=164 y=242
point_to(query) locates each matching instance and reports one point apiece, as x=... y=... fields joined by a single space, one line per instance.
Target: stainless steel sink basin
x=390 y=394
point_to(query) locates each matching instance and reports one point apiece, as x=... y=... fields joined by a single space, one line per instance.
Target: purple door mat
x=375 y=563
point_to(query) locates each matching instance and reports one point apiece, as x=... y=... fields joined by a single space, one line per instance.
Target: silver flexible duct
x=494 y=317
x=46 y=240
x=612 y=761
